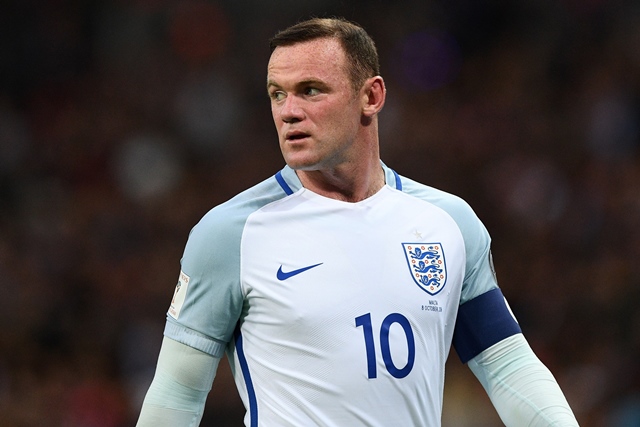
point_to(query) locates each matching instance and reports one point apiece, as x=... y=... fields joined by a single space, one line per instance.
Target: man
x=335 y=286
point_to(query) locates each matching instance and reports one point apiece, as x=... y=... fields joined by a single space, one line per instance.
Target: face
x=314 y=107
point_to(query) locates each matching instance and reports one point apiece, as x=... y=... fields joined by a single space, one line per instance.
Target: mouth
x=295 y=136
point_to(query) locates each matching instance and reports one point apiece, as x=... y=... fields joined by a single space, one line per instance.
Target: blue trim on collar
x=398 y=182
x=283 y=183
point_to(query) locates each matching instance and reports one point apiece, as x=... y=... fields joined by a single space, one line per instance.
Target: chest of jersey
x=318 y=268
x=338 y=295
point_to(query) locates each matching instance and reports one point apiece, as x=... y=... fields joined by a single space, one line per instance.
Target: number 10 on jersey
x=369 y=342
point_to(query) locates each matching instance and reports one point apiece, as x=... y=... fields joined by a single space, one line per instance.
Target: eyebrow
x=302 y=83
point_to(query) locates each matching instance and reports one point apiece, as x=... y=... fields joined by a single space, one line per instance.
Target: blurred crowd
x=123 y=121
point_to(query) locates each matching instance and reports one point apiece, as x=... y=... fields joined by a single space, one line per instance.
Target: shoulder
x=456 y=207
x=477 y=240
x=479 y=276
x=233 y=213
x=221 y=228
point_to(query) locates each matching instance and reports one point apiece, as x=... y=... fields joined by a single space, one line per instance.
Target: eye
x=277 y=95
x=312 y=91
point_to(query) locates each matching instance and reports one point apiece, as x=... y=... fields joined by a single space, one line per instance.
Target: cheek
x=343 y=122
x=334 y=119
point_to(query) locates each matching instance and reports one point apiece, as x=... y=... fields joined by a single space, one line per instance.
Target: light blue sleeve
x=520 y=386
x=180 y=386
x=210 y=272
x=213 y=301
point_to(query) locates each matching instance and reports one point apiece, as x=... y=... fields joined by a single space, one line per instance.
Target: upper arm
x=484 y=317
x=210 y=281
x=482 y=322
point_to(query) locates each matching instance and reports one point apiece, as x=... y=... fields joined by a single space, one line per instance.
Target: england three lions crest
x=427 y=265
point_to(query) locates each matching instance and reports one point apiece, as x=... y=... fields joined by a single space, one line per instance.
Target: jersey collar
x=290 y=183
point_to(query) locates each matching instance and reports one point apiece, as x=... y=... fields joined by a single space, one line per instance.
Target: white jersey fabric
x=336 y=313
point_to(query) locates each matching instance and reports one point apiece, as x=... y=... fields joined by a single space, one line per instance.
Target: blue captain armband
x=481 y=323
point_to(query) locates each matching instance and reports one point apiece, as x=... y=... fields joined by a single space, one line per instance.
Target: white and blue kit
x=336 y=313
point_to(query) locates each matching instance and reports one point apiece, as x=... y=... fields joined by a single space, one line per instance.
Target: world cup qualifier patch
x=427 y=265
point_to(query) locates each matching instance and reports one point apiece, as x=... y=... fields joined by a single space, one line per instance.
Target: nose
x=291 y=111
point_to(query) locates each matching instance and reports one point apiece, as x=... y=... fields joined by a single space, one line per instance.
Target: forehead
x=320 y=59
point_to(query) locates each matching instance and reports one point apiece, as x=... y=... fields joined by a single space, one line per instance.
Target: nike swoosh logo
x=284 y=275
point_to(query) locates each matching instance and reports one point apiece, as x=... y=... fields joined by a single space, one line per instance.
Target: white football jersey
x=335 y=313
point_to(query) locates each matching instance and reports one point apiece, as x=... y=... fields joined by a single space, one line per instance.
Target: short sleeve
x=205 y=314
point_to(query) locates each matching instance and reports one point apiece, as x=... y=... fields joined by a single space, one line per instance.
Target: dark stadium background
x=122 y=122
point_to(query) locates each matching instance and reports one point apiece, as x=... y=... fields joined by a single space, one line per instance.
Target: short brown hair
x=359 y=48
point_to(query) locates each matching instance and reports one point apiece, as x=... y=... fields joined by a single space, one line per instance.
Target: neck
x=345 y=184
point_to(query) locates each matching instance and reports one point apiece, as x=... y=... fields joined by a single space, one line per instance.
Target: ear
x=373 y=97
